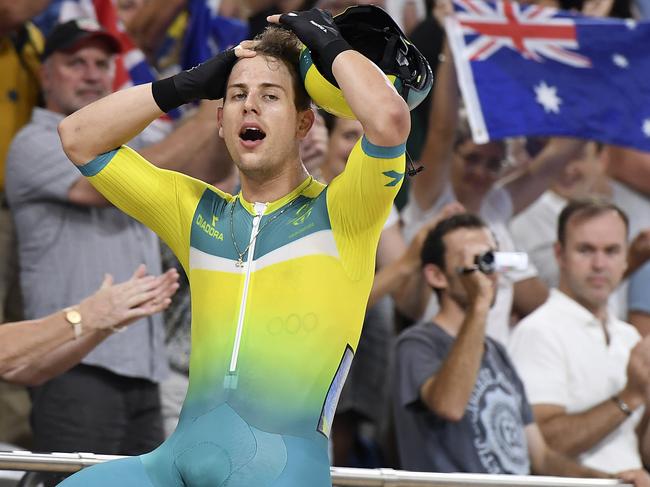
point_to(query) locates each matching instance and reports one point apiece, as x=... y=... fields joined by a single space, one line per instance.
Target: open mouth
x=252 y=134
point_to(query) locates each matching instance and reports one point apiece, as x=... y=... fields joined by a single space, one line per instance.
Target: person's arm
x=643 y=433
x=638 y=252
x=150 y=22
x=399 y=274
x=436 y=155
x=95 y=130
x=630 y=167
x=641 y=321
x=382 y=112
x=448 y=391
x=545 y=461
x=637 y=300
x=529 y=184
x=403 y=280
x=575 y=433
x=388 y=277
x=193 y=148
x=34 y=351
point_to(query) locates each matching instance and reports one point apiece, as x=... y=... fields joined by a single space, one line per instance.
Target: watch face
x=73 y=316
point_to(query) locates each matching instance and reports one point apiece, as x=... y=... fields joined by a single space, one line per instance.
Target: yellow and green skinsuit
x=273 y=336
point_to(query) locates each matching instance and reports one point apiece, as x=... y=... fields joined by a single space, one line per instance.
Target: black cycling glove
x=317 y=30
x=207 y=81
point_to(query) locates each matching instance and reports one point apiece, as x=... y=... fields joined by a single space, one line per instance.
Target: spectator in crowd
x=32 y=352
x=459 y=404
x=585 y=175
x=66 y=228
x=586 y=372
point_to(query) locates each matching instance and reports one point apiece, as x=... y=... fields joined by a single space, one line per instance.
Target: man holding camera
x=459 y=404
x=586 y=372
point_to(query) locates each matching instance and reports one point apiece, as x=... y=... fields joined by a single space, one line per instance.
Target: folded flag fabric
x=209 y=33
x=532 y=70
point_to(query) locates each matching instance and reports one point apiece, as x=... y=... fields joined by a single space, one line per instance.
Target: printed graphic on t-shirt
x=495 y=413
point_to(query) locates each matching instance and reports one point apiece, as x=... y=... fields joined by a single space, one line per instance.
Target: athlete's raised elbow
x=71 y=141
x=392 y=124
x=401 y=120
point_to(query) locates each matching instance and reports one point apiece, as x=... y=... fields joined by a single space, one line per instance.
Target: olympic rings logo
x=293 y=324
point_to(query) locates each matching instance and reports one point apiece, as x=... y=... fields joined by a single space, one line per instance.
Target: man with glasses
x=458 y=169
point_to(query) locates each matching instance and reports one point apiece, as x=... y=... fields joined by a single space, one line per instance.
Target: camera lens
x=485 y=262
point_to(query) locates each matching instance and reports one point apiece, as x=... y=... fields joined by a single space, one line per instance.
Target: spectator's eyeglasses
x=494 y=165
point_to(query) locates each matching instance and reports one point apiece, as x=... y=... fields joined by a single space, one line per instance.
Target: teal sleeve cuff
x=97 y=164
x=381 y=152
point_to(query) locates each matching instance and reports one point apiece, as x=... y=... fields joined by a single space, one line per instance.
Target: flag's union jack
x=535 y=32
x=530 y=70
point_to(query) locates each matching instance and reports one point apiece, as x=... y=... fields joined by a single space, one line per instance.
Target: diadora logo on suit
x=207 y=228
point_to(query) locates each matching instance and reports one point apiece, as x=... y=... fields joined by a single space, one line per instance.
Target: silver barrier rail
x=341 y=477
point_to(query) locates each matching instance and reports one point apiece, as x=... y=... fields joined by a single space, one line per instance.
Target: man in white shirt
x=585 y=371
x=534 y=230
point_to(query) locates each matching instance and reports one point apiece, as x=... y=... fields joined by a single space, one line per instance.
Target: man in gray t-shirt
x=488 y=438
x=459 y=404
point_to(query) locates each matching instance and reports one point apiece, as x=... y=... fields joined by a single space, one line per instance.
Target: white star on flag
x=547 y=97
x=630 y=24
x=620 y=61
x=646 y=127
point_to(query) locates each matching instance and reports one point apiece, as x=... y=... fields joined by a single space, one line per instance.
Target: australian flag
x=532 y=70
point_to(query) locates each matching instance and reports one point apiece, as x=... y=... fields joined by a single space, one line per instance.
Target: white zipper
x=259 y=211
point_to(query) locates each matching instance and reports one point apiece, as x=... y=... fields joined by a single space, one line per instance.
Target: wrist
x=94 y=320
x=627 y=401
x=480 y=305
x=73 y=316
x=166 y=95
x=328 y=54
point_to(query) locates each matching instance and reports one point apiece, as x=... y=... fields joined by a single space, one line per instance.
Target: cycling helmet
x=372 y=32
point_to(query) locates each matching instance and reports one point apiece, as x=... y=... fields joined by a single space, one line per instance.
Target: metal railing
x=341 y=477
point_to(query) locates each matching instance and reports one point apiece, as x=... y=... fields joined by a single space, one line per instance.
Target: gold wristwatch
x=73 y=317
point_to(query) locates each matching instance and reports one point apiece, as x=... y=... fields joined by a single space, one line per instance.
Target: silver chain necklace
x=240 y=259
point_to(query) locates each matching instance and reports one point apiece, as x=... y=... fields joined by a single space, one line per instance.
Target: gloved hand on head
x=316 y=29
